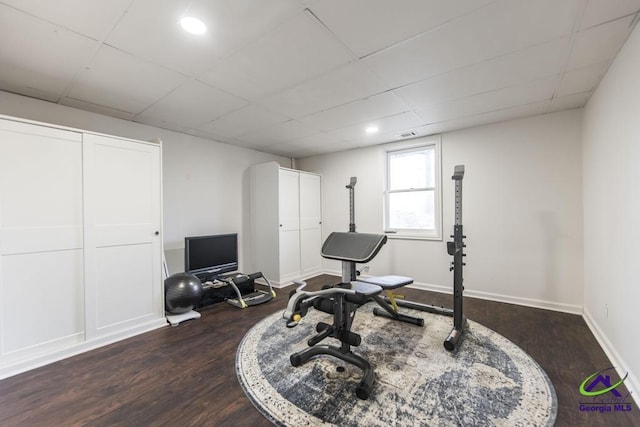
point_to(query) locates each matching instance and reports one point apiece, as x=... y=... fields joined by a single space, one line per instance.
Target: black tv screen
x=211 y=255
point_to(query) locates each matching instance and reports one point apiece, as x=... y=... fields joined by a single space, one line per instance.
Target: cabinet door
x=123 y=241
x=289 y=212
x=310 y=224
x=41 y=240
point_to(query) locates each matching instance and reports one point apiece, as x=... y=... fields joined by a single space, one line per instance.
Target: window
x=412 y=193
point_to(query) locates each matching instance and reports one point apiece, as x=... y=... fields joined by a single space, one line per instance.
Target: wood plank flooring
x=185 y=375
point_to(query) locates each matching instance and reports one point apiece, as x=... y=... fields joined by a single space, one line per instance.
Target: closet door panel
x=310 y=224
x=41 y=240
x=289 y=200
x=125 y=288
x=122 y=191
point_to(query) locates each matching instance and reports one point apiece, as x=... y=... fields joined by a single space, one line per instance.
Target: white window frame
x=436 y=233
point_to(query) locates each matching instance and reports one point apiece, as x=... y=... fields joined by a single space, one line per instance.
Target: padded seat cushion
x=388 y=282
x=366 y=289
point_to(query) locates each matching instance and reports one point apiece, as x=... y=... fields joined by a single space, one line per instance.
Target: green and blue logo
x=605 y=394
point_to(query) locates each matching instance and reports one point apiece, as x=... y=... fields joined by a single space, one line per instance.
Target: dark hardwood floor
x=185 y=375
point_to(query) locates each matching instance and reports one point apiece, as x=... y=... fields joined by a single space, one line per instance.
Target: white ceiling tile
x=336 y=87
x=243 y=121
x=93 y=18
x=568 y=102
x=599 y=11
x=599 y=43
x=120 y=81
x=367 y=26
x=38 y=58
x=362 y=111
x=582 y=79
x=304 y=147
x=537 y=91
x=281 y=132
x=317 y=139
x=95 y=108
x=497 y=29
x=191 y=105
x=386 y=126
x=297 y=51
x=505 y=114
x=512 y=69
x=150 y=29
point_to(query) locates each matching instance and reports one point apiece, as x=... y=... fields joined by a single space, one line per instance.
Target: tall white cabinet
x=80 y=241
x=286 y=223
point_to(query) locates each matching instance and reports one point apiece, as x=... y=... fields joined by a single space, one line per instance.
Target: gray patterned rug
x=489 y=381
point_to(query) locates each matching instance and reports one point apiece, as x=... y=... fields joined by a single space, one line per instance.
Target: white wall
x=205 y=183
x=611 y=145
x=522 y=210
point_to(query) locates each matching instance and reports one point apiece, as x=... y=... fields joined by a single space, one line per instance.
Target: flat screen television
x=210 y=256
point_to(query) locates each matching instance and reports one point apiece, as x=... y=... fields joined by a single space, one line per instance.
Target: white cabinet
x=80 y=242
x=285 y=223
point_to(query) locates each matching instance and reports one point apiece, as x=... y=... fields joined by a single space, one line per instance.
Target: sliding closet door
x=289 y=207
x=310 y=224
x=41 y=240
x=123 y=242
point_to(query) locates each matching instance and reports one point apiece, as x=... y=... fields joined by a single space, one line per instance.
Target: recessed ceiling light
x=193 y=25
x=371 y=129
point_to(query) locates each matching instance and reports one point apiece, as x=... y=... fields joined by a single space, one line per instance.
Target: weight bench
x=343 y=300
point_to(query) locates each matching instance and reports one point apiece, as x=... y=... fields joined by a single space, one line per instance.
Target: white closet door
x=289 y=208
x=41 y=240
x=310 y=224
x=123 y=220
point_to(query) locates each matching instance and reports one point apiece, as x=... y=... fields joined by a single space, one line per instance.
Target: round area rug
x=488 y=381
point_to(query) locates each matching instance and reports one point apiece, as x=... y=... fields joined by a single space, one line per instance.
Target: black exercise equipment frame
x=455 y=248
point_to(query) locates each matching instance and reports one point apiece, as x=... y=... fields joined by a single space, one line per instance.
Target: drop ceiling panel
x=150 y=29
x=243 y=121
x=599 y=11
x=307 y=146
x=386 y=127
x=191 y=105
x=599 y=43
x=361 y=111
x=340 y=86
x=278 y=133
x=582 y=79
x=497 y=29
x=297 y=51
x=38 y=58
x=512 y=69
x=93 y=18
x=95 y=108
x=367 y=26
x=120 y=81
x=537 y=91
x=489 y=117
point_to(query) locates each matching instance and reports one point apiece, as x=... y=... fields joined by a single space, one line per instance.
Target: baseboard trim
x=489 y=296
x=283 y=284
x=27 y=364
x=632 y=383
